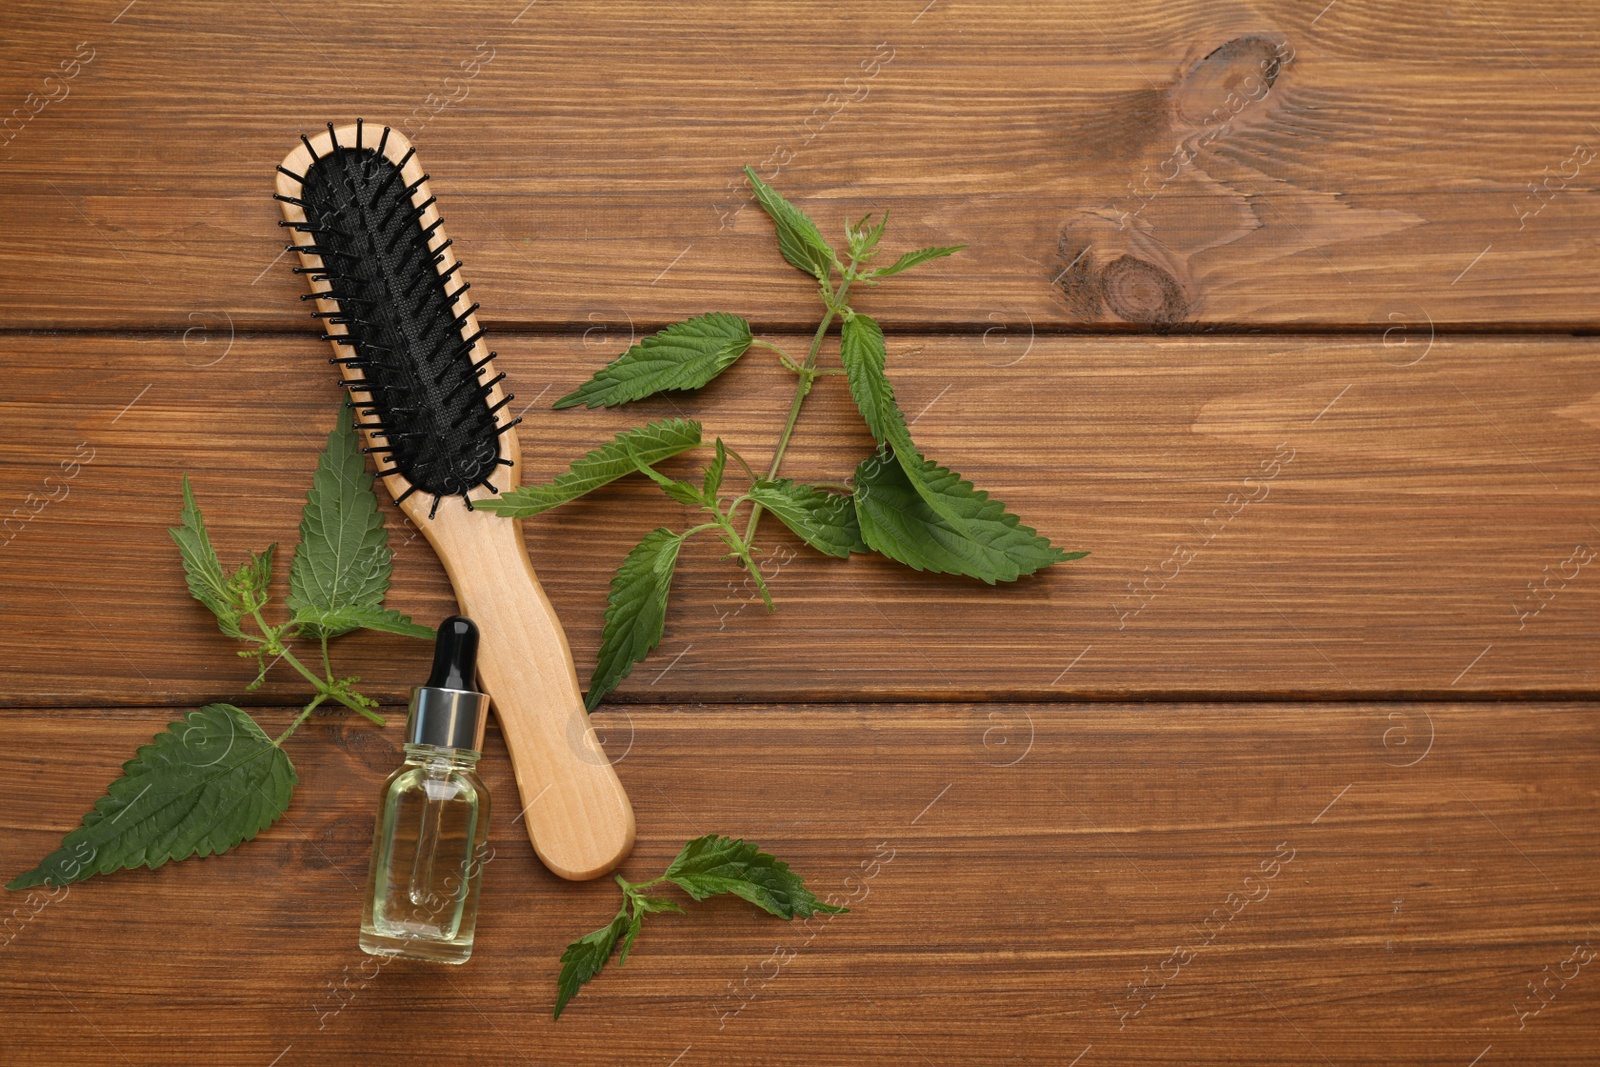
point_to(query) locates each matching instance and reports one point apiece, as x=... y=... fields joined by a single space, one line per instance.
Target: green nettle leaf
x=344 y=620
x=207 y=583
x=584 y=957
x=682 y=492
x=713 y=479
x=649 y=444
x=340 y=572
x=912 y=259
x=685 y=355
x=865 y=356
x=798 y=237
x=211 y=780
x=944 y=524
x=636 y=610
x=625 y=945
x=825 y=521
x=712 y=864
x=991 y=544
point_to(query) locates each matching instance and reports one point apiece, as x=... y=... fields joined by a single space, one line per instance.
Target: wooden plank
x=1298 y=517
x=1397 y=876
x=588 y=156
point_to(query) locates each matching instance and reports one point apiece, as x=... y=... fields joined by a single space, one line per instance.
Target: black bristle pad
x=416 y=364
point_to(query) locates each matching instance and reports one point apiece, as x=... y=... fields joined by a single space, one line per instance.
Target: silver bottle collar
x=447 y=718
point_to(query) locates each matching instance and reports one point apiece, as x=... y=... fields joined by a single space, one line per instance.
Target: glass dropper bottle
x=433 y=816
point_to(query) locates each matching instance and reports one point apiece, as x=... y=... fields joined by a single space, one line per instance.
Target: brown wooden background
x=1032 y=795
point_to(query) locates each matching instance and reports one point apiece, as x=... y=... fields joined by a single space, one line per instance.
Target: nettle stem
x=304 y=715
x=835 y=304
x=328 y=688
x=741 y=550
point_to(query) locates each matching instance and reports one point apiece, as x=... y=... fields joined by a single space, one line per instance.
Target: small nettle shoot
x=707 y=866
x=214 y=779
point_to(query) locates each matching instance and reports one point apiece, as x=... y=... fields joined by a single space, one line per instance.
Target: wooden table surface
x=1377 y=678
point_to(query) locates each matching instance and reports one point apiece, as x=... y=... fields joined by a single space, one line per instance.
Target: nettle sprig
x=215 y=778
x=707 y=866
x=898 y=503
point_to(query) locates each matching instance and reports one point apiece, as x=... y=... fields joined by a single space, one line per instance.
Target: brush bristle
x=429 y=414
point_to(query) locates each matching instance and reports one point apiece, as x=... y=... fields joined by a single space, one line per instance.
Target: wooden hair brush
x=389 y=291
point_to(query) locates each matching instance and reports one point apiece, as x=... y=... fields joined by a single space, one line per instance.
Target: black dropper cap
x=455 y=655
x=449 y=712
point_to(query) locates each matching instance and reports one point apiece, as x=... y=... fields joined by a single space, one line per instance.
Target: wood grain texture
x=1352 y=499
x=1110 y=164
x=1295 y=517
x=1011 y=869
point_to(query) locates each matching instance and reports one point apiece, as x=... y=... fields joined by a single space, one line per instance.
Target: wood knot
x=1137 y=291
x=1130 y=257
x=1229 y=80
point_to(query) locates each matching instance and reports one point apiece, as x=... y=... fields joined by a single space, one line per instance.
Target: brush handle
x=578 y=816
